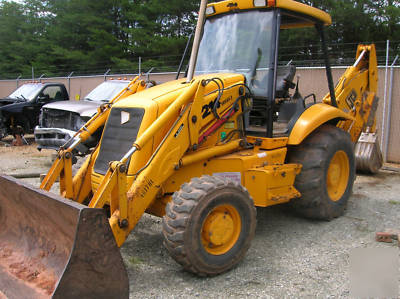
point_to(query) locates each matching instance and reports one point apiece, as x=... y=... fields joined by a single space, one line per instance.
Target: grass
x=135 y=260
x=394 y=202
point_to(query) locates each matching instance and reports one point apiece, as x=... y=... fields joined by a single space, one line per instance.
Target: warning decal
x=233 y=176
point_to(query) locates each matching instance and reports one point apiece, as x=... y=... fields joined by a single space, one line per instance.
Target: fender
x=312 y=118
x=14 y=107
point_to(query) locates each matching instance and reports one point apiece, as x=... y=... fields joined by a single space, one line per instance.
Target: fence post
x=389 y=108
x=140 y=65
x=69 y=83
x=384 y=100
x=106 y=73
x=17 y=80
x=40 y=78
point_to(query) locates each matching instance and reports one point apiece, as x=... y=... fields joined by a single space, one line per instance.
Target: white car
x=59 y=121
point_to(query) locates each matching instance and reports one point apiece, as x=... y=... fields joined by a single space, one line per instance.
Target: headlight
x=260 y=3
x=80 y=122
x=210 y=10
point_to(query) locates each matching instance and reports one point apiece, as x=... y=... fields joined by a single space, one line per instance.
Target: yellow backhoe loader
x=200 y=152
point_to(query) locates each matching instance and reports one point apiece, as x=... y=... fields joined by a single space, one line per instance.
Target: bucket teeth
x=368 y=153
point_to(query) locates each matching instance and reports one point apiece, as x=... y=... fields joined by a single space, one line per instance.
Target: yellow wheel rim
x=221 y=229
x=338 y=175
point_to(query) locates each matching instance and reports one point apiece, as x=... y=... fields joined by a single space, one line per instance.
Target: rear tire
x=328 y=173
x=209 y=225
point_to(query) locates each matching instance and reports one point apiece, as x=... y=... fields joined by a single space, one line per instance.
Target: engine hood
x=7 y=101
x=83 y=108
x=12 y=105
x=163 y=94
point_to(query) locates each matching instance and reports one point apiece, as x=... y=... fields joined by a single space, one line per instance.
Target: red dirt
x=31 y=271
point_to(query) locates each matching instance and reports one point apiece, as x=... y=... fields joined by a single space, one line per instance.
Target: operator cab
x=240 y=37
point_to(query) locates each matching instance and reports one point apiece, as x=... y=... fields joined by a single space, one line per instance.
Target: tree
x=156 y=29
x=86 y=36
x=22 y=32
x=353 y=22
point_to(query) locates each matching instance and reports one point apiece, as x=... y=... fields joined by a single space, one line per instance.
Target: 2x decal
x=207 y=109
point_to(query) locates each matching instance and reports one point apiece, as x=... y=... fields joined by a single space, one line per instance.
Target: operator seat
x=58 y=96
x=258 y=116
x=285 y=75
x=284 y=80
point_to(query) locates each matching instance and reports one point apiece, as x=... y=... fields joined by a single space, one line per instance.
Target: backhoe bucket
x=54 y=247
x=368 y=153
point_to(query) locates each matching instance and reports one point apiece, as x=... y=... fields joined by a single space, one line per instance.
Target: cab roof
x=310 y=15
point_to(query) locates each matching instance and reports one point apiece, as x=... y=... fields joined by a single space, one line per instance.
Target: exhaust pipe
x=51 y=247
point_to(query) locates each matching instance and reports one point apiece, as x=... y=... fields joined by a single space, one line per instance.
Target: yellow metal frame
x=177 y=154
x=337 y=176
x=290 y=5
x=180 y=138
x=313 y=118
x=352 y=115
x=306 y=10
x=221 y=229
x=360 y=82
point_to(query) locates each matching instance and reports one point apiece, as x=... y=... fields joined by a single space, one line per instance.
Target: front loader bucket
x=54 y=247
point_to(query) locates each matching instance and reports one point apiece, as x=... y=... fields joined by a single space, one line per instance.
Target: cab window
x=52 y=93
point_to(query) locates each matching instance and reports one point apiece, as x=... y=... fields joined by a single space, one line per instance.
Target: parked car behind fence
x=19 y=112
x=59 y=121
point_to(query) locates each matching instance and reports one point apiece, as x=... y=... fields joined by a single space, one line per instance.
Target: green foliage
x=135 y=261
x=56 y=37
x=353 y=22
x=21 y=34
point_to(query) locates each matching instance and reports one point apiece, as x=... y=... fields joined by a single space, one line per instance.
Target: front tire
x=328 y=173
x=209 y=225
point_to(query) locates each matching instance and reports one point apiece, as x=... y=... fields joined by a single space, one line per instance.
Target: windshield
x=239 y=43
x=26 y=92
x=106 y=91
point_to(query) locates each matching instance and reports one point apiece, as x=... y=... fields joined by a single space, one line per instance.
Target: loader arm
x=62 y=167
x=127 y=205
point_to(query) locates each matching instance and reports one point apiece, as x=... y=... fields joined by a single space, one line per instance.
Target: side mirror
x=42 y=99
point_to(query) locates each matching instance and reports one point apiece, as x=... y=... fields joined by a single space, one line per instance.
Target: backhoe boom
x=356 y=95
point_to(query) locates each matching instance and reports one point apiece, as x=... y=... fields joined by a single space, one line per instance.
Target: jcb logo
x=351 y=99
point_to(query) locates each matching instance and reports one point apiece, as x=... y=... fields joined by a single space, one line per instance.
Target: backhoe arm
x=356 y=93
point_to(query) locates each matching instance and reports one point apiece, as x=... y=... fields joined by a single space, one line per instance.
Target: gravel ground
x=289 y=257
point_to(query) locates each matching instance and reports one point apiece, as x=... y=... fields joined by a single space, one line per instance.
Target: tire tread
x=178 y=212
